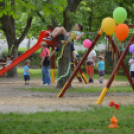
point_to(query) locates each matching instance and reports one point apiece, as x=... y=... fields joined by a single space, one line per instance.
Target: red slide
x=18 y=60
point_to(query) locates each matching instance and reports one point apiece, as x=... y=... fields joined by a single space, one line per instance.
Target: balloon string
x=112 y=55
x=114 y=98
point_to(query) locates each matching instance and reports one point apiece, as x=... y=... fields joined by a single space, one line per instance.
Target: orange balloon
x=121 y=31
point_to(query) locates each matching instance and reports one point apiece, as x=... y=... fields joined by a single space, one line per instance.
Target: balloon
x=87 y=43
x=131 y=48
x=121 y=31
x=119 y=15
x=108 y=25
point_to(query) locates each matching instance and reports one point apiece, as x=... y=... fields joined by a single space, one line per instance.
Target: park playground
x=79 y=106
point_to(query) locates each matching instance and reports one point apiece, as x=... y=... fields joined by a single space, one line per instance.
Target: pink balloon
x=87 y=43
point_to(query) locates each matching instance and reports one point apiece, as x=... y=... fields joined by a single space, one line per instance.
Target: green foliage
x=32 y=58
x=21 y=10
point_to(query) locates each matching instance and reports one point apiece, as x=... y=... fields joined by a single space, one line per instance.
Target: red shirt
x=45 y=52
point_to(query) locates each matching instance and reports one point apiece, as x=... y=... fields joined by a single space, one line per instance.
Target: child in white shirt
x=131 y=63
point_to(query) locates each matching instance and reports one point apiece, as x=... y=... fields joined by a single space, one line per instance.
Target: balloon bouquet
x=109 y=26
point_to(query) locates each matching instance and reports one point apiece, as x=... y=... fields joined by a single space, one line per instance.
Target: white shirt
x=91 y=56
x=132 y=65
x=9 y=62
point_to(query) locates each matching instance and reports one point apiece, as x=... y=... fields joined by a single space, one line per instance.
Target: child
x=131 y=63
x=101 y=68
x=72 y=49
x=9 y=60
x=27 y=72
x=101 y=54
x=45 y=62
x=61 y=30
x=90 y=65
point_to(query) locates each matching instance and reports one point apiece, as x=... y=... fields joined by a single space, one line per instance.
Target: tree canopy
x=26 y=18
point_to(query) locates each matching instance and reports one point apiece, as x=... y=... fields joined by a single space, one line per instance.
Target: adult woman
x=45 y=63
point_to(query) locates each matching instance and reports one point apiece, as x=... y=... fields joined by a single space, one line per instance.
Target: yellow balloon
x=108 y=25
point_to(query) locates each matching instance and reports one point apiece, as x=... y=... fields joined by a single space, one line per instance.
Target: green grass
x=80 y=90
x=85 y=122
x=36 y=73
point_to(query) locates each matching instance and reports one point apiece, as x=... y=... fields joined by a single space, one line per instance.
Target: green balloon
x=119 y=15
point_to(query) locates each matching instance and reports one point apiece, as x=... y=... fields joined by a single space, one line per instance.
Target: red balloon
x=122 y=31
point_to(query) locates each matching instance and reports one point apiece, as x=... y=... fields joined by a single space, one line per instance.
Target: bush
x=34 y=58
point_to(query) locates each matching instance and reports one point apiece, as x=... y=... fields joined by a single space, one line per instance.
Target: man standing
x=90 y=65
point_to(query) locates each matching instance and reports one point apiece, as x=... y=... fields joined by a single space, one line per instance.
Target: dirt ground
x=26 y=101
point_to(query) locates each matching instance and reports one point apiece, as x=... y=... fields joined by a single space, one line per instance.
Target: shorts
x=132 y=73
x=90 y=69
x=26 y=77
x=101 y=73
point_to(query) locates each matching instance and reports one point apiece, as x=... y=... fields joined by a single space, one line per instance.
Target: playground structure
x=120 y=63
x=52 y=44
x=29 y=52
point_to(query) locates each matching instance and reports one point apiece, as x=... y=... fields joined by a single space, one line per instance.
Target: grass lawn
x=79 y=90
x=85 y=122
x=36 y=73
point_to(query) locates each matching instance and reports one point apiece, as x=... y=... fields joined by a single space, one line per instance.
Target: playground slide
x=24 y=55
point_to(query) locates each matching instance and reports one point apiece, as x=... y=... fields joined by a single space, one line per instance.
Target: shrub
x=34 y=58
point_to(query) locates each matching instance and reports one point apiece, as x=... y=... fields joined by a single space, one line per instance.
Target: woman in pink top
x=45 y=63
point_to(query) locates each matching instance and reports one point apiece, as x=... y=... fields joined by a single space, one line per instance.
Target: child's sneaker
x=91 y=80
x=48 y=38
x=27 y=84
x=50 y=35
x=100 y=81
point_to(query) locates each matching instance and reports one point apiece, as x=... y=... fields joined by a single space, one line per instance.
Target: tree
x=67 y=23
x=10 y=16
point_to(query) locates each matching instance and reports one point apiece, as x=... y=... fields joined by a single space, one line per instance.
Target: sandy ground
x=25 y=101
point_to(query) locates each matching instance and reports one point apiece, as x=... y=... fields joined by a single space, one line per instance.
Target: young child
x=131 y=63
x=101 y=54
x=77 y=34
x=101 y=68
x=9 y=60
x=90 y=65
x=27 y=72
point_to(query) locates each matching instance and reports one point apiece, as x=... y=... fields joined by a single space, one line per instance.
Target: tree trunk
x=63 y=66
x=8 y=27
x=28 y=44
x=66 y=58
x=13 y=72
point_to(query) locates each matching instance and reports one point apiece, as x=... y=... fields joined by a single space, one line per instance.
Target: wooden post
x=82 y=74
x=73 y=68
x=122 y=64
x=104 y=92
x=53 y=66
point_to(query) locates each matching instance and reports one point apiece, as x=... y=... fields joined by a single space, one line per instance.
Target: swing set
x=109 y=27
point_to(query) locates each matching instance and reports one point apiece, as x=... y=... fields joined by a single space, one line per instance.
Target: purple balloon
x=131 y=48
